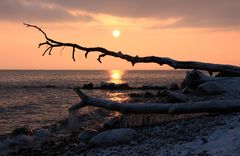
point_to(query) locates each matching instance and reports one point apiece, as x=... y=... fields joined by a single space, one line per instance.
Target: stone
x=148 y=95
x=193 y=79
x=173 y=86
x=86 y=136
x=153 y=87
x=88 y=86
x=113 y=137
x=112 y=123
x=135 y=95
x=187 y=90
x=162 y=93
x=113 y=86
x=173 y=97
x=226 y=74
x=21 y=131
x=210 y=88
x=41 y=133
x=15 y=141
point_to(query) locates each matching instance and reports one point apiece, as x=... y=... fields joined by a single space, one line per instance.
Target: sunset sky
x=198 y=30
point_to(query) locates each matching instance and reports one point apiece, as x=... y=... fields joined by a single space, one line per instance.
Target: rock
x=210 y=88
x=21 y=131
x=135 y=95
x=148 y=95
x=15 y=141
x=86 y=136
x=123 y=86
x=226 y=74
x=175 y=97
x=113 y=86
x=50 y=86
x=162 y=93
x=111 y=123
x=88 y=86
x=173 y=86
x=204 y=140
x=113 y=137
x=187 y=90
x=41 y=133
x=193 y=79
x=153 y=87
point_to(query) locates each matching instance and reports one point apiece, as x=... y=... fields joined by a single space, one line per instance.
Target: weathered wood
x=159 y=108
x=210 y=67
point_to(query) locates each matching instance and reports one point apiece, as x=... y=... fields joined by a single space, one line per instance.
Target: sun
x=116 y=76
x=116 y=33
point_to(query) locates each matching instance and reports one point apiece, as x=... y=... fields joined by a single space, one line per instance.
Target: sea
x=42 y=97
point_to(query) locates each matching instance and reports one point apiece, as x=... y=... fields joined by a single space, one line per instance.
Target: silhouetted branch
x=210 y=67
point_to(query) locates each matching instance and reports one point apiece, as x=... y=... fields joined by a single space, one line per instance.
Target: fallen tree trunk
x=210 y=67
x=159 y=108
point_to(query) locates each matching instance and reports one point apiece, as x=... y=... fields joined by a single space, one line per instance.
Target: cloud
x=29 y=10
x=193 y=13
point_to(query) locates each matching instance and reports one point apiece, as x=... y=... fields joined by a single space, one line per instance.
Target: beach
x=196 y=134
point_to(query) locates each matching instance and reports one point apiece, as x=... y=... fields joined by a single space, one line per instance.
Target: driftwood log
x=210 y=67
x=210 y=106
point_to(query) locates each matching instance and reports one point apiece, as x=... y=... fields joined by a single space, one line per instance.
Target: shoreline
x=190 y=136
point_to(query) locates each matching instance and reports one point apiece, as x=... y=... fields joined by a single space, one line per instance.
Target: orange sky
x=140 y=35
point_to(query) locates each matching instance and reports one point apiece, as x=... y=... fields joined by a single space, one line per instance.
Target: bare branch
x=34 y=26
x=100 y=56
x=86 y=54
x=73 y=54
x=133 y=60
x=49 y=48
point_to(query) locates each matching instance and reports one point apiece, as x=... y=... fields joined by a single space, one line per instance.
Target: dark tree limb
x=210 y=106
x=210 y=67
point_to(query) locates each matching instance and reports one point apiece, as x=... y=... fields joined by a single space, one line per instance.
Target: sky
x=196 y=30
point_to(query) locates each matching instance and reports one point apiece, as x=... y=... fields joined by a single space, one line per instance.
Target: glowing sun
x=116 y=33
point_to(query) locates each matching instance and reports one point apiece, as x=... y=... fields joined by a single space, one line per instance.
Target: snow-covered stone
x=86 y=136
x=113 y=137
x=210 y=88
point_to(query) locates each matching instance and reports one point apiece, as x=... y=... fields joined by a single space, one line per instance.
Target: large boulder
x=193 y=79
x=113 y=137
x=210 y=88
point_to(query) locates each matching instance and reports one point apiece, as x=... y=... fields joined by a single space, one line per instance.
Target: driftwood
x=159 y=108
x=210 y=67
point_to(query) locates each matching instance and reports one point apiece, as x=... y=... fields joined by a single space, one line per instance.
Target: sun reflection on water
x=117 y=96
x=116 y=76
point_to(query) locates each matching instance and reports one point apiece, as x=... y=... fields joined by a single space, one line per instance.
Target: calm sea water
x=25 y=98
